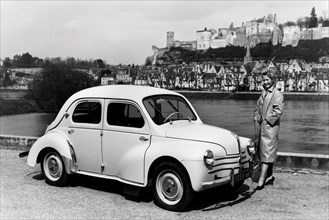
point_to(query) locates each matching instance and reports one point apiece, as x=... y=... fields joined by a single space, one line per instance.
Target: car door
x=85 y=130
x=125 y=140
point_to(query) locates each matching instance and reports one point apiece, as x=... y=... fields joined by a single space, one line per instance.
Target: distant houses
x=19 y=78
x=295 y=75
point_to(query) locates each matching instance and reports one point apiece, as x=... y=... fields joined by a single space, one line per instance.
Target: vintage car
x=142 y=136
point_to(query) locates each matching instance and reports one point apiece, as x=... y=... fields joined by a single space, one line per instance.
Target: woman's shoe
x=270 y=181
x=260 y=187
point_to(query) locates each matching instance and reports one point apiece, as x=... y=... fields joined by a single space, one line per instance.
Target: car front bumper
x=233 y=177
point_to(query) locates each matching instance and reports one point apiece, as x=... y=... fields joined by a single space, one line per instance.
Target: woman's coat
x=267 y=123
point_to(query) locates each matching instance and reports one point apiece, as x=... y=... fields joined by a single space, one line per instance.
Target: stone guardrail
x=284 y=159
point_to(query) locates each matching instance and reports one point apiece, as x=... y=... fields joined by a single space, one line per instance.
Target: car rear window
x=87 y=112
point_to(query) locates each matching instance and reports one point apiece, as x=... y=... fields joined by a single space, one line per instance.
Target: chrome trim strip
x=217 y=182
x=222 y=164
x=227 y=157
x=218 y=170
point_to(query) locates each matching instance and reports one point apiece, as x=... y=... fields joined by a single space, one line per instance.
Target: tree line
x=56 y=83
x=26 y=60
x=311 y=21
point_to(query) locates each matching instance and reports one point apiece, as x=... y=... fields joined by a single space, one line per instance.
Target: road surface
x=25 y=195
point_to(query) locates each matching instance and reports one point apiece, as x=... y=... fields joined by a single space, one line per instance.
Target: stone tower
x=170 y=39
x=248 y=57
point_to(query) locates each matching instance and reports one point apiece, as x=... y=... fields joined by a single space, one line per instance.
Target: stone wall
x=292 y=34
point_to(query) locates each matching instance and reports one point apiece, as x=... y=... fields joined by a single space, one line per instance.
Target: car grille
x=223 y=165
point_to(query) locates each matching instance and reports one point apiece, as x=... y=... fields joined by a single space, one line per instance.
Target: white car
x=142 y=136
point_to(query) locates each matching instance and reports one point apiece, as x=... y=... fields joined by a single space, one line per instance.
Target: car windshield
x=167 y=108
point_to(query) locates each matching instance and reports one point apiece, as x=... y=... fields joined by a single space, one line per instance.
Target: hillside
x=308 y=50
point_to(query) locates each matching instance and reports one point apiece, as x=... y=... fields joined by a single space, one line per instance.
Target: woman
x=267 y=123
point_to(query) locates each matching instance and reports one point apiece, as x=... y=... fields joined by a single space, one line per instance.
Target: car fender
x=244 y=141
x=188 y=153
x=59 y=142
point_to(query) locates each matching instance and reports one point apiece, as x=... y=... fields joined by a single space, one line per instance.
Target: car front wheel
x=171 y=187
x=53 y=169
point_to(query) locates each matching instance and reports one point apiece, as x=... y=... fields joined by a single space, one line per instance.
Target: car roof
x=132 y=92
x=129 y=92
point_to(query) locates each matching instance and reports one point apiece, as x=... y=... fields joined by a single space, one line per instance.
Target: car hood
x=205 y=133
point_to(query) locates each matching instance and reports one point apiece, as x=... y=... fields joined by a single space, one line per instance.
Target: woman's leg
x=263 y=174
x=269 y=170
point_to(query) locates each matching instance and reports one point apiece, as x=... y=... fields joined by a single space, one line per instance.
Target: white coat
x=267 y=115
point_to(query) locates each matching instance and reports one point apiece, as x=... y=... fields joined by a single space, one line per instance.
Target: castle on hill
x=249 y=34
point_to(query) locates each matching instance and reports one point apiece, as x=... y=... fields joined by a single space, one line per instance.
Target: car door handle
x=70 y=131
x=142 y=138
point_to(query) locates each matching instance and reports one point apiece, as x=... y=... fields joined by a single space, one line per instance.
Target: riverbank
x=252 y=95
x=19 y=106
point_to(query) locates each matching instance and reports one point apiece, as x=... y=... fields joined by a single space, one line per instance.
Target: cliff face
x=308 y=50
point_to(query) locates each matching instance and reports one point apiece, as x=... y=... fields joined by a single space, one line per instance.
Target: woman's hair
x=270 y=73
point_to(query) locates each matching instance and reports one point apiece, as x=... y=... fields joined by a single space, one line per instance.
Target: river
x=304 y=124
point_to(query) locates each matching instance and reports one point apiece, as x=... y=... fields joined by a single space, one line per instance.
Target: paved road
x=25 y=195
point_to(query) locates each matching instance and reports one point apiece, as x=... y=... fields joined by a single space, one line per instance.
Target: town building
x=108 y=79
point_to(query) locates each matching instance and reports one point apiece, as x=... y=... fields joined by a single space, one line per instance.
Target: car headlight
x=208 y=159
x=251 y=147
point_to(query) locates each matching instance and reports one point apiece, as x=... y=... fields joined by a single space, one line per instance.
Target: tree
x=56 y=83
x=37 y=62
x=313 y=22
x=280 y=27
x=99 y=63
x=324 y=21
x=56 y=60
x=17 y=60
x=7 y=62
x=26 y=60
x=302 y=22
x=289 y=23
x=71 y=62
x=148 y=61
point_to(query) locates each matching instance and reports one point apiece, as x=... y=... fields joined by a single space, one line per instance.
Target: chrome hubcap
x=53 y=167
x=169 y=188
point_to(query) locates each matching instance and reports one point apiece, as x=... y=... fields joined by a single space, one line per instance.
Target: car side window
x=123 y=114
x=87 y=112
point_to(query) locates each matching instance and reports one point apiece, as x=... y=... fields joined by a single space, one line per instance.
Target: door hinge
x=102 y=167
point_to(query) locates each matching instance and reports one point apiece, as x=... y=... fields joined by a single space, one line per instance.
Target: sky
x=123 y=32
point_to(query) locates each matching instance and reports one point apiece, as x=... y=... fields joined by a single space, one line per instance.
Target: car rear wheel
x=53 y=169
x=171 y=187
